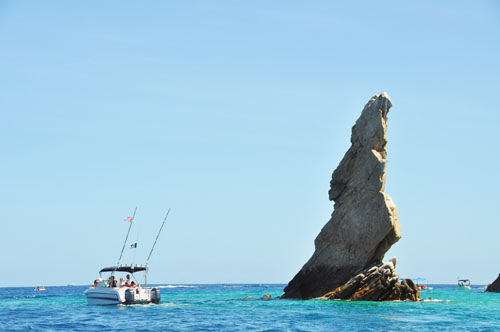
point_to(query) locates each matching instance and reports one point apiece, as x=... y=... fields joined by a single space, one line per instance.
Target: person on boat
x=96 y=282
x=122 y=282
x=111 y=282
x=127 y=282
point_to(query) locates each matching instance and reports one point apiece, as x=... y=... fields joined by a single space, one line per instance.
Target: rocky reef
x=494 y=287
x=364 y=223
x=377 y=283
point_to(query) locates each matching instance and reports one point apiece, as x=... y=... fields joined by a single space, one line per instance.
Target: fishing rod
x=124 y=243
x=157 y=236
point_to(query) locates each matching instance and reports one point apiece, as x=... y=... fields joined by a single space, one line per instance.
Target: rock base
x=377 y=283
x=494 y=287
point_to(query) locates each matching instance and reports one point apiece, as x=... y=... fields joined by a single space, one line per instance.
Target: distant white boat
x=40 y=288
x=464 y=283
x=421 y=284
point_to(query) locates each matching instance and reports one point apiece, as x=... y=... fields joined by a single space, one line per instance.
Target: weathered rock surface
x=364 y=223
x=495 y=286
x=377 y=283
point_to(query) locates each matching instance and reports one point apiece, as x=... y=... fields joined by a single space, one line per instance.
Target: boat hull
x=104 y=296
x=122 y=295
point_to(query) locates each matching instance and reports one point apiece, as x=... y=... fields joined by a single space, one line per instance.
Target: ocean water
x=241 y=308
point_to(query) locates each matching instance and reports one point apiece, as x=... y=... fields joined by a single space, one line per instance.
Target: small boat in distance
x=40 y=288
x=109 y=292
x=421 y=284
x=464 y=283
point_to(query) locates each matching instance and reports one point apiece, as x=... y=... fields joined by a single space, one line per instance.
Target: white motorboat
x=109 y=292
x=103 y=292
x=464 y=283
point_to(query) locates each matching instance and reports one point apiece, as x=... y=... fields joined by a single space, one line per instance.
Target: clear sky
x=235 y=114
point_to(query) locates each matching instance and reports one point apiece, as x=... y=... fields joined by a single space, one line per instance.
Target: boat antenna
x=131 y=219
x=158 y=235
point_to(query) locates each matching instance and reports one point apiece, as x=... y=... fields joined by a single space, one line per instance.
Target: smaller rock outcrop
x=494 y=287
x=377 y=283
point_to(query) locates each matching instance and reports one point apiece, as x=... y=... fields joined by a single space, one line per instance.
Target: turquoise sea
x=241 y=308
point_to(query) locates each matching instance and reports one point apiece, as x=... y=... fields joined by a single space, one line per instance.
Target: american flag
x=129 y=219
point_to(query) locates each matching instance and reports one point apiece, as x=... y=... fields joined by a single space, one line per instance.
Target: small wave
x=176 y=286
x=24 y=297
x=170 y=304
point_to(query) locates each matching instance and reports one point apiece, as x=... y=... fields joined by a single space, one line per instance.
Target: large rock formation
x=495 y=286
x=377 y=283
x=364 y=223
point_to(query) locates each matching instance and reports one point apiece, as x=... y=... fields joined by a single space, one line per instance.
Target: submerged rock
x=364 y=223
x=494 y=287
x=377 y=283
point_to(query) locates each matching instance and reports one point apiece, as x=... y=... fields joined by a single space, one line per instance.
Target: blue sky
x=235 y=114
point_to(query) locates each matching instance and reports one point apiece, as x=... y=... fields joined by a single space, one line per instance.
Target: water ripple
x=241 y=308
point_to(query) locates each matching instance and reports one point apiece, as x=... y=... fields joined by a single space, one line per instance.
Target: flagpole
x=124 y=243
x=158 y=235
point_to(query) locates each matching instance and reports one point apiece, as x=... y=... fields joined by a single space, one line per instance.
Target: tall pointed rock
x=364 y=223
